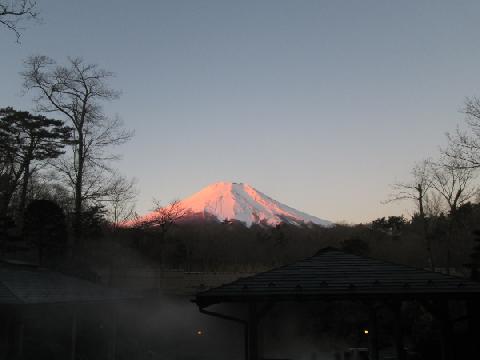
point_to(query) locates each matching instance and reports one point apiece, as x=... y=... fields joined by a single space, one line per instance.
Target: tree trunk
x=451 y=236
x=252 y=332
x=428 y=242
x=447 y=333
x=5 y=199
x=23 y=194
x=398 y=331
x=73 y=335
x=77 y=220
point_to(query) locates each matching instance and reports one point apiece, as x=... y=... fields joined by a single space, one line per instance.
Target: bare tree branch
x=163 y=217
x=464 y=144
x=77 y=90
x=453 y=179
x=417 y=189
x=13 y=13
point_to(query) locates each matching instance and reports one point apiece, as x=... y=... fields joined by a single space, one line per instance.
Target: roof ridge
x=389 y=262
x=338 y=276
x=328 y=249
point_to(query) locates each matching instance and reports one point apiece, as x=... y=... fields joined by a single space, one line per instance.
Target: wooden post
x=372 y=333
x=473 y=326
x=73 y=339
x=112 y=350
x=440 y=310
x=246 y=342
x=447 y=331
x=20 y=335
x=260 y=341
x=10 y=335
x=398 y=331
x=4 y=331
x=15 y=335
x=252 y=332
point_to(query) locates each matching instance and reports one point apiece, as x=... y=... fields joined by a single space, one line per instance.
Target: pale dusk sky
x=318 y=104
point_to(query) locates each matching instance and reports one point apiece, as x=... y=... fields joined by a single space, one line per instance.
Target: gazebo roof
x=30 y=286
x=335 y=274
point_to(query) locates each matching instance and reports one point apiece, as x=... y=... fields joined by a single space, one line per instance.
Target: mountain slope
x=242 y=202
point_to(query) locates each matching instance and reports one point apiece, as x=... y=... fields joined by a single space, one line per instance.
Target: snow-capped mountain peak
x=242 y=202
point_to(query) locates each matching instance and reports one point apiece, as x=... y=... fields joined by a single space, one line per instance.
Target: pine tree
x=25 y=141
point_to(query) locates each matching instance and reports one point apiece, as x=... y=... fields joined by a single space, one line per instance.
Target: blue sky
x=319 y=104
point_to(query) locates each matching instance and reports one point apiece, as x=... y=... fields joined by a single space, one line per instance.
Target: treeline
x=445 y=190
x=231 y=246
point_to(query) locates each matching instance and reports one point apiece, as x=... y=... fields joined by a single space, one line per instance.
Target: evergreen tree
x=26 y=140
x=45 y=228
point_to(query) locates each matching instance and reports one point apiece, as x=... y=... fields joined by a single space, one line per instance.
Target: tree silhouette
x=76 y=91
x=45 y=227
x=475 y=256
x=6 y=226
x=418 y=189
x=25 y=141
x=464 y=145
x=163 y=217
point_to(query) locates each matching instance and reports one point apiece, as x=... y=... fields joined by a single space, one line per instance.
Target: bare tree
x=453 y=180
x=164 y=217
x=76 y=90
x=161 y=222
x=434 y=205
x=44 y=185
x=464 y=144
x=120 y=199
x=14 y=12
x=417 y=190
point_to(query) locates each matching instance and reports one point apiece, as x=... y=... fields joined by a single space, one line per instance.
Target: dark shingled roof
x=30 y=286
x=6 y=296
x=335 y=274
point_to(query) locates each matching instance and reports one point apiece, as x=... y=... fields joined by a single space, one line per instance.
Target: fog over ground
x=173 y=328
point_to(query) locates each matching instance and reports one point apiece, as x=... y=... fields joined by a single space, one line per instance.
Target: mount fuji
x=242 y=202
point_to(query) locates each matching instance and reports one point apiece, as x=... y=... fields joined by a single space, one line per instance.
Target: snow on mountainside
x=242 y=202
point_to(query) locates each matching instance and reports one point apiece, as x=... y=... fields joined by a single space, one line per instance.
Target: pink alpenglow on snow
x=242 y=202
